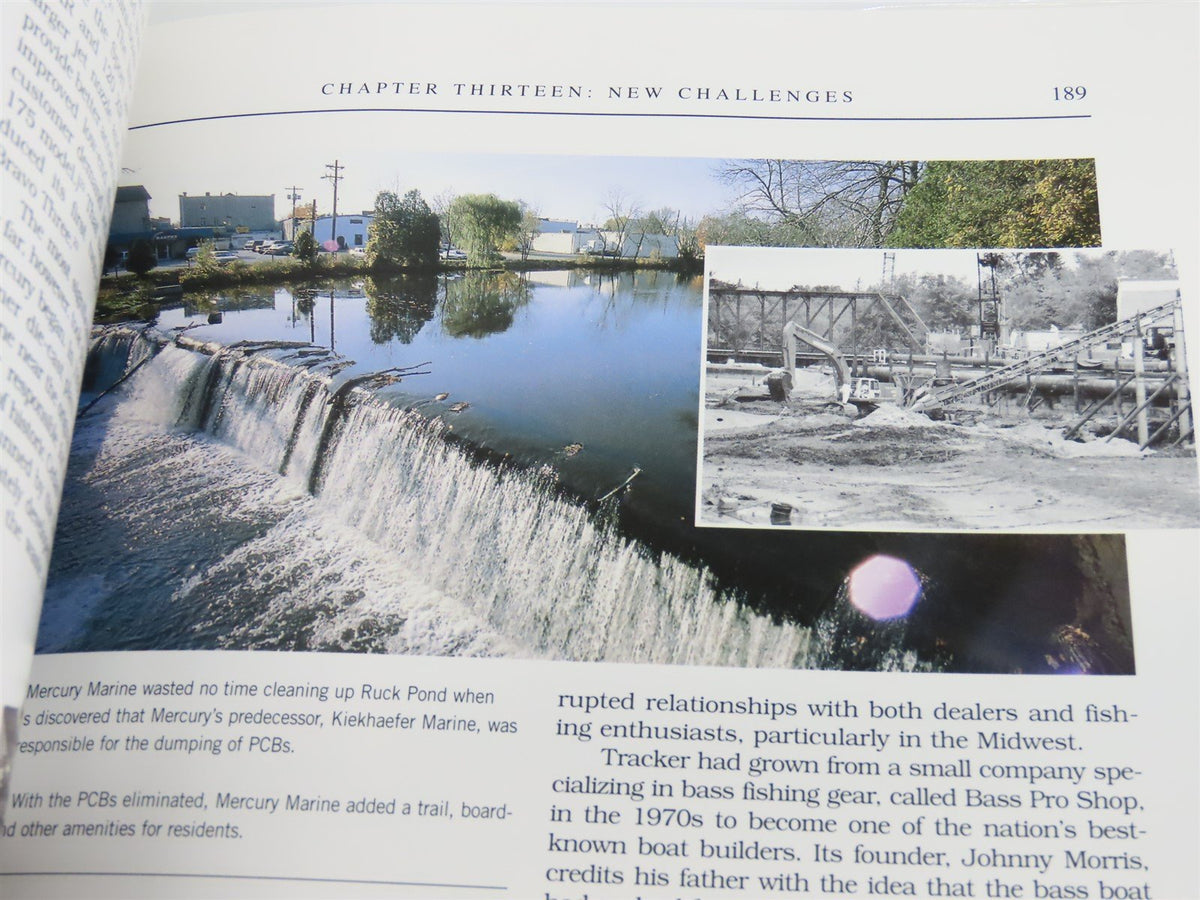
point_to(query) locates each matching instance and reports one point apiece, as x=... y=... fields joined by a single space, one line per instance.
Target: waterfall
x=114 y=353
x=552 y=577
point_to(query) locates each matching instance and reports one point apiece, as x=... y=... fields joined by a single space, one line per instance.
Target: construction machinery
x=1134 y=330
x=847 y=389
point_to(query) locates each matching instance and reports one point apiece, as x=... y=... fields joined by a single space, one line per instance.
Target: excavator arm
x=793 y=333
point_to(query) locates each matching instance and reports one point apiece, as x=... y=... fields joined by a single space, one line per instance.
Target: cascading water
x=297 y=510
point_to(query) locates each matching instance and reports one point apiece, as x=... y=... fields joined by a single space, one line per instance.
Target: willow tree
x=483 y=303
x=481 y=223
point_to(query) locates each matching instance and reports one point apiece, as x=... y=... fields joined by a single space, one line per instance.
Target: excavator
x=848 y=389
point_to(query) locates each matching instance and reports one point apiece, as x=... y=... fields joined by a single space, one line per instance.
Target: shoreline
x=127 y=297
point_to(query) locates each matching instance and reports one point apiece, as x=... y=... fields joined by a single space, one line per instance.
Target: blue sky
x=269 y=155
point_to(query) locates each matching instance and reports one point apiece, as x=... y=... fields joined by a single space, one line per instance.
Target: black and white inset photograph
x=1030 y=390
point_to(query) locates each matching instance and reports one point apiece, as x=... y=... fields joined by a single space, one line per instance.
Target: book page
x=590 y=451
x=68 y=77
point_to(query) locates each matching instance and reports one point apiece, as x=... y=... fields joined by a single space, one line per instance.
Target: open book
x=578 y=451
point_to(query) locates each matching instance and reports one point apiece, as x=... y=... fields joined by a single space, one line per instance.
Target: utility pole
x=335 y=176
x=294 y=196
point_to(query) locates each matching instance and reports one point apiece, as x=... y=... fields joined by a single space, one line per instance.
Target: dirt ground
x=896 y=469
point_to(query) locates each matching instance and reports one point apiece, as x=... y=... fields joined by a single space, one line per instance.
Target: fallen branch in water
x=113 y=386
x=180 y=332
x=384 y=377
x=256 y=346
x=624 y=484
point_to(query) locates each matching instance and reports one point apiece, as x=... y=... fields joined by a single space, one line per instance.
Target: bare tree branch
x=831 y=202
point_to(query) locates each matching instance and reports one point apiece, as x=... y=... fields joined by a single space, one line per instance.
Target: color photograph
x=390 y=415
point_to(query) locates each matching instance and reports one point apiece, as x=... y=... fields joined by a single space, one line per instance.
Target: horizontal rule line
x=423 y=884
x=612 y=115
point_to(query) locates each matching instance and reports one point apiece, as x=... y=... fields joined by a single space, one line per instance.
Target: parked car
x=225 y=257
x=280 y=248
x=358 y=251
x=453 y=253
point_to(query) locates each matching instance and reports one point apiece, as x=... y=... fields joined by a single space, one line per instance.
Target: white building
x=644 y=246
x=557 y=226
x=569 y=238
x=352 y=229
x=1135 y=296
x=564 y=243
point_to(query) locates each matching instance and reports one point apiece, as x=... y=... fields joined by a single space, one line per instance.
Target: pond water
x=255 y=483
x=595 y=374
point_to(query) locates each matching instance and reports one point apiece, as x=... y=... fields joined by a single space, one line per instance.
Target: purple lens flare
x=884 y=587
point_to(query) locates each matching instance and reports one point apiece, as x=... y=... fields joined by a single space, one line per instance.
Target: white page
x=67 y=83
x=908 y=82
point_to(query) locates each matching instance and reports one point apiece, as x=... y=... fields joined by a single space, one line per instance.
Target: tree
x=671 y=222
x=303 y=213
x=945 y=302
x=405 y=231
x=1030 y=285
x=441 y=204
x=1146 y=265
x=206 y=259
x=622 y=214
x=664 y=220
x=735 y=229
x=1090 y=291
x=825 y=203
x=480 y=223
x=142 y=257
x=305 y=248
x=530 y=228
x=687 y=239
x=399 y=307
x=1002 y=203
x=483 y=303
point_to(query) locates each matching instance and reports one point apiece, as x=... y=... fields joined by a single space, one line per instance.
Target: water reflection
x=588 y=380
x=400 y=307
x=483 y=303
x=207 y=302
x=304 y=300
x=533 y=364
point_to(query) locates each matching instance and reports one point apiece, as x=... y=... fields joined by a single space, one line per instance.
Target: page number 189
x=1070 y=92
